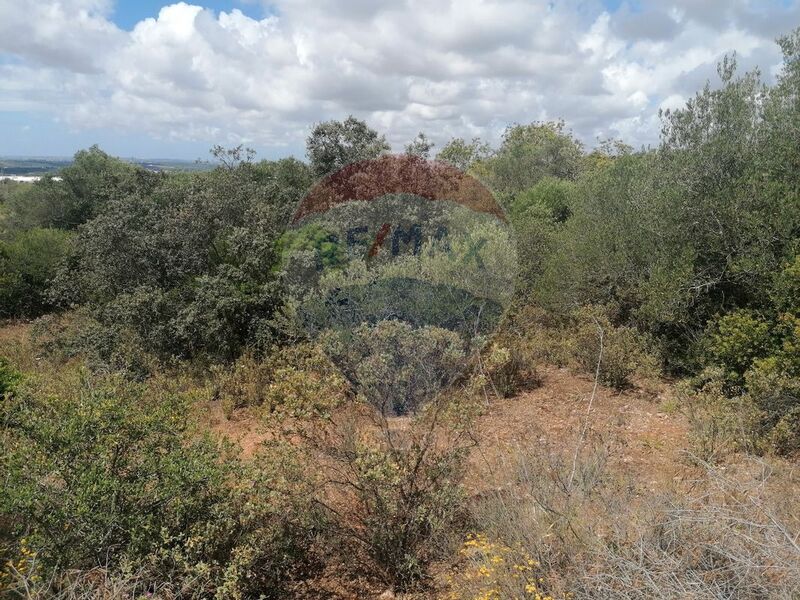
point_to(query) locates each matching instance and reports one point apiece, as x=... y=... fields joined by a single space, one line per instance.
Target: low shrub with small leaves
x=720 y=423
x=621 y=350
x=510 y=367
x=759 y=359
x=736 y=340
x=392 y=486
x=108 y=472
x=299 y=376
x=395 y=366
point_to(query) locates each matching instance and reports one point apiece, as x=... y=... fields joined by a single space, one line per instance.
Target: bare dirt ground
x=644 y=441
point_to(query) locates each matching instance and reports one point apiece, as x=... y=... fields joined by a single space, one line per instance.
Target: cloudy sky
x=150 y=79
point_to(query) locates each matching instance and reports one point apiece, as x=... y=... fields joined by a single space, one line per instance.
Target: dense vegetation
x=682 y=259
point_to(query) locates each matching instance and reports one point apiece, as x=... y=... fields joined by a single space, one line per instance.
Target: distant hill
x=11 y=165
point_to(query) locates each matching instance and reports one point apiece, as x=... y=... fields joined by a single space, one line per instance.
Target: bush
x=736 y=340
x=623 y=349
x=720 y=423
x=394 y=366
x=406 y=502
x=510 y=367
x=594 y=536
x=493 y=569
x=785 y=436
x=298 y=378
x=109 y=473
x=27 y=264
x=760 y=362
x=70 y=334
x=550 y=198
x=392 y=486
x=188 y=268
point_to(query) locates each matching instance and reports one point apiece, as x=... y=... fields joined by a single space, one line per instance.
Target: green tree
x=80 y=192
x=463 y=155
x=334 y=144
x=527 y=154
x=189 y=269
x=420 y=146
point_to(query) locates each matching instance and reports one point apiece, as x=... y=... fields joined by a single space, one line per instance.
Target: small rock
x=387 y=595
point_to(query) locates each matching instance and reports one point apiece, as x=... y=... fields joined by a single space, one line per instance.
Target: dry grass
x=725 y=532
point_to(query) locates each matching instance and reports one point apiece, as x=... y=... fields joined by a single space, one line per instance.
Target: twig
x=585 y=427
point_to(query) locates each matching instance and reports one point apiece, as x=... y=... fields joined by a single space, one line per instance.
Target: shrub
x=760 y=359
x=187 y=267
x=495 y=570
x=736 y=340
x=394 y=366
x=510 y=368
x=392 y=486
x=774 y=390
x=785 y=293
x=594 y=536
x=623 y=349
x=551 y=197
x=298 y=378
x=70 y=334
x=109 y=473
x=406 y=501
x=720 y=423
x=27 y=264
x=785 y=436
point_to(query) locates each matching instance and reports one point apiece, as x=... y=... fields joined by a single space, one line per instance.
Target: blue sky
x=76 y=72
x=127 y=13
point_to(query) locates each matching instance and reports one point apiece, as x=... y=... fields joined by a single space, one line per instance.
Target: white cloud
x=449 y=68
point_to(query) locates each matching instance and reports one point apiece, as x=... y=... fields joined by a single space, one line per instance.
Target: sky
x=150 y=79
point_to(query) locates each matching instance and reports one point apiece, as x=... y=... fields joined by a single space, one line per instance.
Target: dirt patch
x=644 y=442
x=244 y=427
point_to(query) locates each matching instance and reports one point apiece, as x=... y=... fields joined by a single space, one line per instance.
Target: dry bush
x=242 y=384
x=76 y=335
x=624 y=351
x=92 y=584
x=295 y=376
x=510 y=367
x=392 y=486
x=592 y=536
x=493 y=570
x=538 y=333
x=720 y=424
x=727 y=539
x=576 y=342
x=550 y=507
